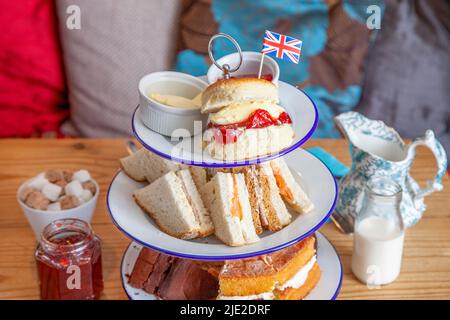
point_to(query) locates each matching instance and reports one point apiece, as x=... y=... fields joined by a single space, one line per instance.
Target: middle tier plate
x=316 y=180
x=297 y=104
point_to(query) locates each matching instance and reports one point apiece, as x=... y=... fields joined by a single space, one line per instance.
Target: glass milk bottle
x=379 y=233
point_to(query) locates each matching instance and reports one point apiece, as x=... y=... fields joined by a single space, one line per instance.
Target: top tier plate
x=298 y=105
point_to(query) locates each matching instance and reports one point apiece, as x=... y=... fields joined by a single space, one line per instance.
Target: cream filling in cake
x=295 y=282
x=261 y=296
x=300 y=277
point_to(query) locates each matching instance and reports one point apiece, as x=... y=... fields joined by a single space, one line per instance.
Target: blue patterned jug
x=378 y=150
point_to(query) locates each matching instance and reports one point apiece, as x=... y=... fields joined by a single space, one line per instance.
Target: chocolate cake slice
x=159 y=273
x=142 y=268
x=172 y=278
x=187 y=281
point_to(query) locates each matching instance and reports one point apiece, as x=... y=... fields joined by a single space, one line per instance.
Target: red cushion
x=32 y=85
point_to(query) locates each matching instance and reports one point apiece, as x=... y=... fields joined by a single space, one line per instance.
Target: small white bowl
x=39 y=219
x=250 y=66
x=168 y=120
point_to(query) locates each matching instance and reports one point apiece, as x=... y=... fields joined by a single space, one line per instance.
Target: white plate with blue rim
x=297 y=104
x=327 y=288
x=316 y=180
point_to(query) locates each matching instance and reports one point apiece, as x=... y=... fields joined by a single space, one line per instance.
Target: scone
x=245 y=120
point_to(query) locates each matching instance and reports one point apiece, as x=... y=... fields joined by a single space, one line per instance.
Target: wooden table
x=426 y=262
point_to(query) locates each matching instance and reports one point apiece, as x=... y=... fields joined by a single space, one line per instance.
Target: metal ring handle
x=225 y=68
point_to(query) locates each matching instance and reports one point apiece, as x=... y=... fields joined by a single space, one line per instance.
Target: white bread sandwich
x=175 y=205
x=265 y=195
x=268 y=209
x=246 y=122
x=224 y=92
x=253 y=188
x=290 y=190
x=144 y=165
x=227 y=199
x=199 y=175
x=136 y=165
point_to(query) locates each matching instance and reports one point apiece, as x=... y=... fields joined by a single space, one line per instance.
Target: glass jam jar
x=379 y=234
x=69 y=261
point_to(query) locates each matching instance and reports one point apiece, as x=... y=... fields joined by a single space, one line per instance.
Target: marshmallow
x=69 y=202
x=38 y=182
x=37 y=200
x=56 y=206
x=85 y=196
x=74 y=188
x=82 y=175
x=51 y=191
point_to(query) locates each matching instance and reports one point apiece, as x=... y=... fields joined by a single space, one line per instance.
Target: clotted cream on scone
x=246 y=120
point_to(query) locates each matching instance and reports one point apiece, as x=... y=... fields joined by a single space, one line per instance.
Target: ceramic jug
x=378 y=150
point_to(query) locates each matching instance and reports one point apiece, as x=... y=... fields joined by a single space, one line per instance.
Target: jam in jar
x=69 y=261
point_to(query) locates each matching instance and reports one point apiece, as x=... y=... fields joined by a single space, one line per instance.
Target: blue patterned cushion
x=246 y=21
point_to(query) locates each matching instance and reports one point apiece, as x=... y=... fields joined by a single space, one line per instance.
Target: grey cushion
x=408 y=72
x=118 y=43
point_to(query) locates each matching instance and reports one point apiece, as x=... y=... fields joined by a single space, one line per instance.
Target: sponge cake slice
x=289 y=273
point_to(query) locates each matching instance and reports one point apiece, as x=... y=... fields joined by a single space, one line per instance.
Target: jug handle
x=429 y=140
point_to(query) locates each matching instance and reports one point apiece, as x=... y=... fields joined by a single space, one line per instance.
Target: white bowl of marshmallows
x=58 y=194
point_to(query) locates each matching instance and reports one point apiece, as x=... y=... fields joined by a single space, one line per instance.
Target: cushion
x=118 y=42
x=408 y=72
x=32 y=82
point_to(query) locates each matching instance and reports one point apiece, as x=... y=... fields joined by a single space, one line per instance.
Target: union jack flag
x=281 y=46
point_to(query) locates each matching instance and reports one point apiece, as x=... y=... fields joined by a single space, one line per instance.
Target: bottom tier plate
x=327 y=288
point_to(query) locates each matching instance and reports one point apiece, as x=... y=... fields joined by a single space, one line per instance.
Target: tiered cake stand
x=316 y=179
